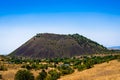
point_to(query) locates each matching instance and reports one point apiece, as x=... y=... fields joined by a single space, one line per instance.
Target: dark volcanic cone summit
x=55 y=45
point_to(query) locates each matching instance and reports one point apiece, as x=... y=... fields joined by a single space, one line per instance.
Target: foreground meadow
x=97 y=67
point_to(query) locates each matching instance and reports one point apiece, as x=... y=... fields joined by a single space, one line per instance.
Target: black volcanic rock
x=54 y=45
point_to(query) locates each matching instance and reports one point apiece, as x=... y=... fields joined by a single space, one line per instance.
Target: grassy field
x=100 y=67
x=104 y=71
x=12 y=69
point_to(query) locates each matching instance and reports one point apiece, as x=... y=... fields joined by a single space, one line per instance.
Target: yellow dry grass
x=104 y=71
x=11 y=71
x=8 y=75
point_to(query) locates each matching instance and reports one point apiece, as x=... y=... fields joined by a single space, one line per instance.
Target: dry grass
x=8 y=75
x=12 y=69
x=104 y=71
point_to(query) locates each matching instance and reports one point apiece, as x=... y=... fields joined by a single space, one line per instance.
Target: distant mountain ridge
x=114 y=47
x=49 y=45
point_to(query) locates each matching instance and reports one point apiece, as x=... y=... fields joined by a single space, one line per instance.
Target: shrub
x=26 y=66
x=81 y=67
x=35 y=66
x=24 y=75
x=42 y=66
x=54 y=75
x=64 y=69
x=42 y=75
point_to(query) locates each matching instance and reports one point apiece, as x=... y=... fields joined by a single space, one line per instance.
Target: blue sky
x=20 y=20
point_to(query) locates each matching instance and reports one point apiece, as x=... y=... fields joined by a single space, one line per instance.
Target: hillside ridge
x=49 y=45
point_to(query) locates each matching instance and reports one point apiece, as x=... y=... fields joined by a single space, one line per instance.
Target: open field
x=104 y=71
x=98 y=67
x=10 y=73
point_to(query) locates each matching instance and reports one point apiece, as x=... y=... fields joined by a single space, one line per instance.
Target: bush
x=34 y=66
x=42 y=75
x=24 y=75
x=42 y=66
x=64 y=69
x=54 y=75
x=81 y=67
x=26 y=66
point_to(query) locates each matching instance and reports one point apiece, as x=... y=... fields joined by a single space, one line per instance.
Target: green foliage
x=43 y=66
x=65 y=69
x=52 y=65
x=35 y=66
x=16 y=60
x=42 y=75
x=54 y=75
x=81 y=67
x=84 y=64
x=27 y=66
x=77 y=62
x=83 y=41
x=24 y=75
x=88 y=62
x=64 y=66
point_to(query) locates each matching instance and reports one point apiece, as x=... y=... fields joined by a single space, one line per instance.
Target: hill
x=114 y=48
x=55 y=45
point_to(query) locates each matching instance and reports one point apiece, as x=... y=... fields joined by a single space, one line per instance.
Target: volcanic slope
x=47 y=45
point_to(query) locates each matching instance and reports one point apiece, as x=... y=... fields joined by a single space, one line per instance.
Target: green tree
x=81 y=67
x=27 y=66
x=54 y=75
x=65 y=69
x=42 y=75
x=24 y=75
